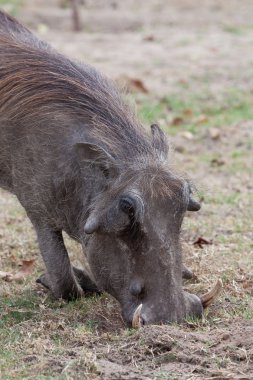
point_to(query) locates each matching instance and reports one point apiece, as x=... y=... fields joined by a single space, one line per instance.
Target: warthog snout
x=194 y=307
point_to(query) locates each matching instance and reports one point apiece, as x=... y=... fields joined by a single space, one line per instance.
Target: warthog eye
x=132 y=232
x=127 y=205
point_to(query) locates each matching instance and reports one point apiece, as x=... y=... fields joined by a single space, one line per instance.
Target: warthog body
x=78 y=161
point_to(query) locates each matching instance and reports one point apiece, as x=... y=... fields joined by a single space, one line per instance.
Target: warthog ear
x=95 y=155
x=159 y=141
x=193 y=205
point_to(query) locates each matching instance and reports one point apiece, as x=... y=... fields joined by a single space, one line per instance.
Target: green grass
x=11 y=6
x=166 y=376
x=238 y=31
x=23 y=324
x=196 y=112
x=234 y=30
x=150 y=111
x=237 y=307
x=17 y=308
x=231 y=198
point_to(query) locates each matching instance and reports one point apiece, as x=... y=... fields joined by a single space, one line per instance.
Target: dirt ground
x=188 y=64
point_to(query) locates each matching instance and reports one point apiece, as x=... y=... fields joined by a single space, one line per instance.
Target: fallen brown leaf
x=179 y=148
x=5 y=276
x=178 y=120
x=132 y=84
x=217 y=162
x=200 y=242
x=188 y=112
x=247 y=285
x=149 y=38
x=183 y=82
x=27 y=267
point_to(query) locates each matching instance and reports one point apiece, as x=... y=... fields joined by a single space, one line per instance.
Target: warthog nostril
x=136 y=288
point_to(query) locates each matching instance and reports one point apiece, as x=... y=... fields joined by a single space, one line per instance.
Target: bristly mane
x=36 y=81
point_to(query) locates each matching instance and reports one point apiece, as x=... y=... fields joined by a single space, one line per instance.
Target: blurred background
x=198 y=45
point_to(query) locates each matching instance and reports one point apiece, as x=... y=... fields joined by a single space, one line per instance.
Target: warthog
x=79 y=161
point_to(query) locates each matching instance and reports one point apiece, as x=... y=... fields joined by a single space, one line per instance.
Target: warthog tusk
x=210 y=296
x=206 y=300
x=136 y=322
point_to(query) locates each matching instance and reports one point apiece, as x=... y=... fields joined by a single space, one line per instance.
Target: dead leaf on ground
x=179 y=148
x=200 y=242
x=188 y=112
x=5 y=276
x=178 y=120
x=183 y=82
x=149 y=38
x=27 y=268
x=247 y=284
x=132 y=84
x=217 y=162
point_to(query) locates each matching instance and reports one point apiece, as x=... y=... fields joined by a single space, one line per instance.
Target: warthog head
x=134 y=248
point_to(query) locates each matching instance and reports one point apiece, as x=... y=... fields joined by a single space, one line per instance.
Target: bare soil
x=187 y=49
